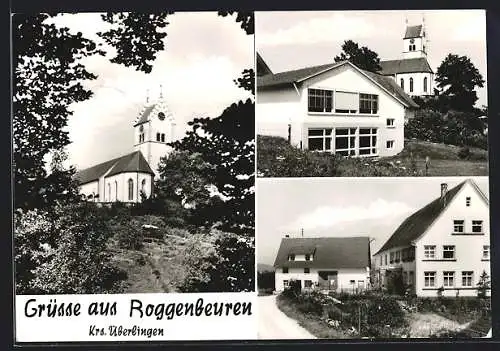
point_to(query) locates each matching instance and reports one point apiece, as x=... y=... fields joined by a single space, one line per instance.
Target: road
x=274 y=324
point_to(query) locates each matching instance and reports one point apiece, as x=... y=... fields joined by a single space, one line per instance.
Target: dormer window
x=308 y=257
x=291 y=257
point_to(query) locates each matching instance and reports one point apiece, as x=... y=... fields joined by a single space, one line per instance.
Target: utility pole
x=302 y=232
x=359 y=320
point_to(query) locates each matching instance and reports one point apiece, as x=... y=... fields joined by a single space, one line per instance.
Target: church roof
x=262 y=67
x=413 y=31
x=133 y=162
x=413 y=65
x=277 y=80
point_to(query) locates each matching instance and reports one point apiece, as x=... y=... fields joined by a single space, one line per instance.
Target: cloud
x=321 y=30
x=328 y=216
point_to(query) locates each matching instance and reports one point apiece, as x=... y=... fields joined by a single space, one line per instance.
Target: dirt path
x=274 y=324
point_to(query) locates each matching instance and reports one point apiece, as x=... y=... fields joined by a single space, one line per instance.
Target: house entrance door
x=332 y=281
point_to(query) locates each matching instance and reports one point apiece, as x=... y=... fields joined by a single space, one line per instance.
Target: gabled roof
x=413 y=65
x=418 y=223
x=262 y=67
x=145 y=115
x=413 y=31
x=329 y=253
x=278 y=80
x=133 y=162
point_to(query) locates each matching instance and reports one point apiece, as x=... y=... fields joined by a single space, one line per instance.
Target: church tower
x=415 y=41
x=153 y=129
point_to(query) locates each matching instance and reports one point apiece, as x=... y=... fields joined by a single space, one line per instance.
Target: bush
x=68 y=256
x=464 y=153
x=266 y=280
x=385 y=310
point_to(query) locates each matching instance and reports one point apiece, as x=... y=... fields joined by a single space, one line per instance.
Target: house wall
x=344 y=276
x=276 y=109
x=418 y=42
x=382 y=267
x=468 y=248
x=418 y=83
x=89 y=188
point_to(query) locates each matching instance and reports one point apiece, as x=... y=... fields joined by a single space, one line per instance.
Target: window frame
x=411 y=84
x=467 y=201
x=390 y=124
x=307 y=270
x=284 y=270
x=476 y=225
x=430 y=252
x=466 y=276
x=373 y=102
x=130 y=183
x=447 y=277
x=350 y=136
x=324 y=137
x=425 y=84
x=448 y=249
x=458 y=223
x=373 y=142
x=389 y=144
x=291 y=257
x=429 y=277
x=321 y=96
x=486 y=249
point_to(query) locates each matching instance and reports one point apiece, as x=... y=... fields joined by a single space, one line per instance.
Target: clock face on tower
x=161 y=116
x=141 y=128
x=412 y=41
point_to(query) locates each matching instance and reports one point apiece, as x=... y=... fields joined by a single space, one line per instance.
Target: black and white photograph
x=393 y=93
x=399 y=257
x=133 y=152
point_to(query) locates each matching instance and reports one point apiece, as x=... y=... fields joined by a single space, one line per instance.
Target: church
x=130 y=177
x=412 y=73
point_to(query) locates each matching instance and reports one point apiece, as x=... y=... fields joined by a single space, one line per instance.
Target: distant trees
x=361 y=57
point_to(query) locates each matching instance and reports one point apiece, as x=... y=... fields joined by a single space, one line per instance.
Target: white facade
x=448 y=256
x=414 y=47
x=281 y=109
x=347 y=279
x=416 y=84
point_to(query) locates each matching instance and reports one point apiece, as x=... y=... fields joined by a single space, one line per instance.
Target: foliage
x=229 y=268
x=227 y=144
x=483 y=285
x=246 y=19
x=64 y=252
x=455 y=128
x=395 y=284
x=361 y=57
x=456 y=78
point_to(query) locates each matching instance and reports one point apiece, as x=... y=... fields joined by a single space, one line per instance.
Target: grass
x=158 y=267
x=311 y=322
x=277 y=158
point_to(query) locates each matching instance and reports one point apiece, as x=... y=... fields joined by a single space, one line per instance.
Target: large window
x=429 y=279
x=308 y=283
x=346 y=102
x=320 y=100
x=477 y=226
x=449 y=279
x=429 y=251
x=307 y=270
x=402 y=83
x=320 y=139
x=368 y=103
x=425 y=84
x=368 y=141
x=448 y=252
x=467 y=278
x=130 y=189
x=411 y=85
x=458 y=226
x=345 y=141
x=391 y=257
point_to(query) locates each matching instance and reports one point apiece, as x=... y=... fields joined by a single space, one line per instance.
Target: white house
x=336 y=264
x=413 y=72
x=444 y=245
x=336 y=108
x=125 y=178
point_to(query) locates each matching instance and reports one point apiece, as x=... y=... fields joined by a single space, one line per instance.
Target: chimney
x=444 y=189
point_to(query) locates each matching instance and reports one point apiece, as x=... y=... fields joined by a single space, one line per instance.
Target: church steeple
x=414 y=41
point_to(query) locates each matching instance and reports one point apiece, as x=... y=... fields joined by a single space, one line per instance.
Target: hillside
x=262 y=267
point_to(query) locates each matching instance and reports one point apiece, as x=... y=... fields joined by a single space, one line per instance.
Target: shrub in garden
x=385 y=310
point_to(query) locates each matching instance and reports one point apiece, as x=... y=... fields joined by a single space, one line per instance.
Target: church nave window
x=162 y=137
x=130 y=189
x=425 y=84
x=402 y=82
x=158 y=137
x=411 y=85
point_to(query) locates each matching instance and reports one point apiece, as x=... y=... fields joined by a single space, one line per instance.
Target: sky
x=290 y=40
x=204 y=54
x=340 y=207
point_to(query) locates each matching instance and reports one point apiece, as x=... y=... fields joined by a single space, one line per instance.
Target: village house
x=336 y=108
x=126 y=178
x=443 y=247
x=335 y=264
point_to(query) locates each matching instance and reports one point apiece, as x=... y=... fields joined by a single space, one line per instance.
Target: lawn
x=276 y=158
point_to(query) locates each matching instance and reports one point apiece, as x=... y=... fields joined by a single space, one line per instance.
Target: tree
x=361 y=57
x=483 y=285
x=456 y=79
